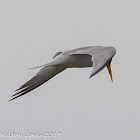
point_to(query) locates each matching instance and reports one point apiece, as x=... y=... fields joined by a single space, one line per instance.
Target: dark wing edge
x=41 y=77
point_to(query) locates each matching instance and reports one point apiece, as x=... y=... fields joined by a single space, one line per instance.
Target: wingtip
x=14 y=95
x=10 y=100
x=17 y=89
x=89 y=77
x=13 y=98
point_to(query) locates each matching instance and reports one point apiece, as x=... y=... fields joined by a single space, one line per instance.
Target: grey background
x=32 y=31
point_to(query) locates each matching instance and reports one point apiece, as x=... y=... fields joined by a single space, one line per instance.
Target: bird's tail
x=37 y=67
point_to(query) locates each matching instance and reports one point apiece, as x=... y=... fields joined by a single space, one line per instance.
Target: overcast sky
x=32 y=31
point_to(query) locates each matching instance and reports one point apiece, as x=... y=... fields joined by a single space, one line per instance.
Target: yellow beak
x=109 y=70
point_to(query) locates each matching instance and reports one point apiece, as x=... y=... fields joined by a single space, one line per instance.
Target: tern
x=97 y=57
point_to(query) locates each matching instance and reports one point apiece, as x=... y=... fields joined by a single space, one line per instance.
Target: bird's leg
x=109 y=70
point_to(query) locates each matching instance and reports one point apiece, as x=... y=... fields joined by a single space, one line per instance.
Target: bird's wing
x=41 y=77
x=99 y=62
x=99 y=58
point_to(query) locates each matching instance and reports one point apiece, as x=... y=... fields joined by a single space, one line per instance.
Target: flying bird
x=96 y=57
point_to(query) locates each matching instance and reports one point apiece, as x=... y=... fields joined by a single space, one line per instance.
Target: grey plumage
x=93 y=56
